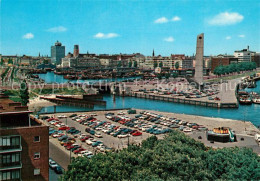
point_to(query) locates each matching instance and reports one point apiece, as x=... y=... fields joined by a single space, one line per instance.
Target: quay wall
x=184 y=101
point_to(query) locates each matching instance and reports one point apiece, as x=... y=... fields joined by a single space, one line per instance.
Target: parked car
x=58 y=169
x=53 y=164
x=98 y=135
x=96 y=143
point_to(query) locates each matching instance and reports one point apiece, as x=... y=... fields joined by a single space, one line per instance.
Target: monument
x=199 y=59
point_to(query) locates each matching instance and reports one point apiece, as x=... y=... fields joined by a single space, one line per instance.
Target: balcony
x=10 y=166
x=7 y=149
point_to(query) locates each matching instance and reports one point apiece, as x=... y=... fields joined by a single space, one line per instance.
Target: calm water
x=50 y=77
x=244 y=112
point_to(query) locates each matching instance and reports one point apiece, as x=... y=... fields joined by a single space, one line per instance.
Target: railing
x=10 y=165
x=4 y=149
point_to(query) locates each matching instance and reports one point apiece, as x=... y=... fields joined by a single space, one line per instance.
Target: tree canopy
x=24 y=93
x=232 y=68
x=177 y=65
x=176 y=157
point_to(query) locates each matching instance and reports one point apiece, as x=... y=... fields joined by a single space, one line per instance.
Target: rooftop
x=7 y=105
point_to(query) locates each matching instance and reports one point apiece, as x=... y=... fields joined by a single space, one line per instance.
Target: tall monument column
x=199 y=59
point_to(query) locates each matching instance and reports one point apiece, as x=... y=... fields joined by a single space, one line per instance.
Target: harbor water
x=244 y=112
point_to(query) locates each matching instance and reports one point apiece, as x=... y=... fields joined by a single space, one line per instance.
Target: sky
x=129 y=26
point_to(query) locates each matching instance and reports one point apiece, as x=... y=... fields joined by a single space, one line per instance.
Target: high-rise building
x=24 y=143
x=199 y=59
x=76 y=51
x=57 y=53
x=243 y=55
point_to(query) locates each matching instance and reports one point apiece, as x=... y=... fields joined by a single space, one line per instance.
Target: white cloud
x=28 y=36
x=169 y=39
x=228 y=37
x=105 y=36
x=161 y=20
x=241 y=36
x=57 y=29
x=176 y=18
x=226 y=18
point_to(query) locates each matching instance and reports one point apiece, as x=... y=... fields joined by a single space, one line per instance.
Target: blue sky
x=124 y=26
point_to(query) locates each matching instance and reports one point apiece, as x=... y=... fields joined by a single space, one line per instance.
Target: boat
x=223 y=134
x=245 y=99
x=255 y=98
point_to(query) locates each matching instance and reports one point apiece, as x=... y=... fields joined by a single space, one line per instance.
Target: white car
x=100 y=146
x=53 y=164
x=62 y=116
x=187 y=130
x=90 y=141
x=98 y=135
x=122 y=135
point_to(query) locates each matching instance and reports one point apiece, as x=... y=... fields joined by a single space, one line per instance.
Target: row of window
x=10 y=174
x=10 y=158
x=14 y=141
x=10 y=141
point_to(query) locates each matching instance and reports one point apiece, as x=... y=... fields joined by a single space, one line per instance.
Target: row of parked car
x=95 y=127
x=170 y=122
x=138 y=125
x=55 y=166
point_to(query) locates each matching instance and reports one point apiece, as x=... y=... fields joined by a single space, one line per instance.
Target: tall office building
x=76 y=51
x=24 y=143
x=57 y=53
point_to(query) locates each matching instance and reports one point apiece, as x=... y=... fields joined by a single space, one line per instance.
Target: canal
x=244 y=112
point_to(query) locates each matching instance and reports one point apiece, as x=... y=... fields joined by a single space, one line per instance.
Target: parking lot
x=85 y=134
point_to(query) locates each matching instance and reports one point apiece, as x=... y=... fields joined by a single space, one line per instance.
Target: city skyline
x=129 y=27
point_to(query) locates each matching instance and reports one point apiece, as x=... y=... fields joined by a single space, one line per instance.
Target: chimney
x=76 y=50
x=247 y=48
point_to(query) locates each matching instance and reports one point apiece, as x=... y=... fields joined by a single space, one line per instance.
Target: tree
x=130 y=64
x=155 y=64
x=176 y=157
x=119 y=64
x=10 y=61
x=167 y=75
x=2 y=62
x=135 y=64
x=177 y=65
x=45 y=61
x=24 y=93
x=174 y=75
x=161 y=64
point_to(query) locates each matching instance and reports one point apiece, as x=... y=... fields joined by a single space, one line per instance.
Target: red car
x=79 y=150
x=137 y=133
x=70 y=147
x=63 y=128
x=67 y=144
x=51 y=119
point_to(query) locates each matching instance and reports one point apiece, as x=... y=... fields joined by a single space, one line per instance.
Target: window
x=37 y=139
x=10 y=174
x=37 y=155
x=37 y=171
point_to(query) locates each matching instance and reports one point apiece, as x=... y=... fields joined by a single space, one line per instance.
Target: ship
x=245 y=99
x=255 y=97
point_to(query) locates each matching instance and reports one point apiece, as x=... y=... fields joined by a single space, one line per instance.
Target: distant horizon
x=120 y=26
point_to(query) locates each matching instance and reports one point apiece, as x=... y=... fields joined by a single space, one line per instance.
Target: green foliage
x=130 y=64
x=4 y=74
x=10 y=61
x=159 y=76
x=177 y=65
x=161 y=64
x=119 y=64
x=45 y=61
x=135 y=64
x=24 y=93
x=167 y=75
x=174 y=75
x=2 y=62
x=176 y=157
x=155 y=64
x=232 y=68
